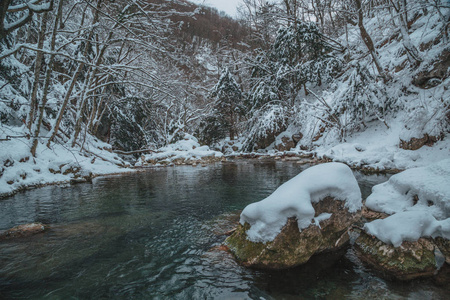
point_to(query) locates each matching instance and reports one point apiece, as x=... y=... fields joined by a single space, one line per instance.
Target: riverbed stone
x=410 y=260
x=291 y=247
x=23 y=230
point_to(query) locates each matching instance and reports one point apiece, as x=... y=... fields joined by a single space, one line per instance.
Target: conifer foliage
x=228 y=102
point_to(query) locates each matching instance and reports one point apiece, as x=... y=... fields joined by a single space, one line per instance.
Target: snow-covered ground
x=186 y=150
x=378 y=147
x=58 y=164
x=295 y=197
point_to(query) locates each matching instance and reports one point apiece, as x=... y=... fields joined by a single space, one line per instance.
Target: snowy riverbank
x=375 y=149
x=59 y=164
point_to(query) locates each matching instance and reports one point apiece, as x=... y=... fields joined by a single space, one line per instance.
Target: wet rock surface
x=286 y=144
x=24 y=230
x=409 y=261
x=371 y=215
x=417 y=143
x=291 y=247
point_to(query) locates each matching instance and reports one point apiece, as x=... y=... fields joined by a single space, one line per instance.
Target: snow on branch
x=30 y=7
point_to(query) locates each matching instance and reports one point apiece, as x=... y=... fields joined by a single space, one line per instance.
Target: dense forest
x=94 y=77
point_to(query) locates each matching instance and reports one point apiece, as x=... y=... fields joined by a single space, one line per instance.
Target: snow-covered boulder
x=284 y=142
x=425 y=189
x=309 y=214
x=418 y=201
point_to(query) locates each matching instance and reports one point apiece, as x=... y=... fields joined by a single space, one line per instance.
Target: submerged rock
x=408 y=261
x=291 y=247
x=24 y=230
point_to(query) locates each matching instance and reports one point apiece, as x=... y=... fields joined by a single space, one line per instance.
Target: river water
x=154 y=235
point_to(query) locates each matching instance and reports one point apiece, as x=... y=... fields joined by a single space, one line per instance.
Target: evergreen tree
x=228 y=105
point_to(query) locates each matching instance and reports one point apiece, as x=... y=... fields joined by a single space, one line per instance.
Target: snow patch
x=60 y=163
x=377 y=147
x=408 y=226
x=431 y=186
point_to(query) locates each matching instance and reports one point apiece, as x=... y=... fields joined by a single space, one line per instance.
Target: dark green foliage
x=299 y=56
x=228 y=105
x=212 y=130
x=128 y=125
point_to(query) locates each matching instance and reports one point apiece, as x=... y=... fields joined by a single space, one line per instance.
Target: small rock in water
x=24 y=230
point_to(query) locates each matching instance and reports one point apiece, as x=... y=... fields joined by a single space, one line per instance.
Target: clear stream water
x=151 y=235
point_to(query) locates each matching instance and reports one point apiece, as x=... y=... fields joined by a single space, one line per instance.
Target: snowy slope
x=58 y=164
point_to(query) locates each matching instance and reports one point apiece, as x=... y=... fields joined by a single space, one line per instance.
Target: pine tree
x=228 y=105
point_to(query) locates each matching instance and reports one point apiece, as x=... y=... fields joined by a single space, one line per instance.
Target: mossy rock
x=410 y=260
x=292 y=248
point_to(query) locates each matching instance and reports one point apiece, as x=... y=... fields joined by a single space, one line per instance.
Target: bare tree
x=28 y=8
x=368 y=40
x=411 y=50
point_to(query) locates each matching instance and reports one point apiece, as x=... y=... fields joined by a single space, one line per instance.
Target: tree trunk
x=89 y=79
x=73 y=80
x=37 y=72
x=411 y=51
x=368 y=40
x=48 y=74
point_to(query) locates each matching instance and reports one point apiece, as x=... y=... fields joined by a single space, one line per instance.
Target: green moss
x=242 y=248
x=290 y=247
x=413 y=259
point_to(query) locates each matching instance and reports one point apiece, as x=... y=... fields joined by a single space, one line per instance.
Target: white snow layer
x=377 y=147
x=187 y=148
x=295 y=197
x=419 y=198
x=408 y=226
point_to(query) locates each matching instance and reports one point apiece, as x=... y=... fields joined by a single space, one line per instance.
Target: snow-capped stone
x=309 y=214
x=295 y=198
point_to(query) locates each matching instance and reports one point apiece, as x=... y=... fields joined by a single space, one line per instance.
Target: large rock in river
x=308 y=214
x=404 y=244
x=291 y=247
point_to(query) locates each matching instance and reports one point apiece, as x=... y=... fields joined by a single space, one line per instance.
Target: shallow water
x=151 y=235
